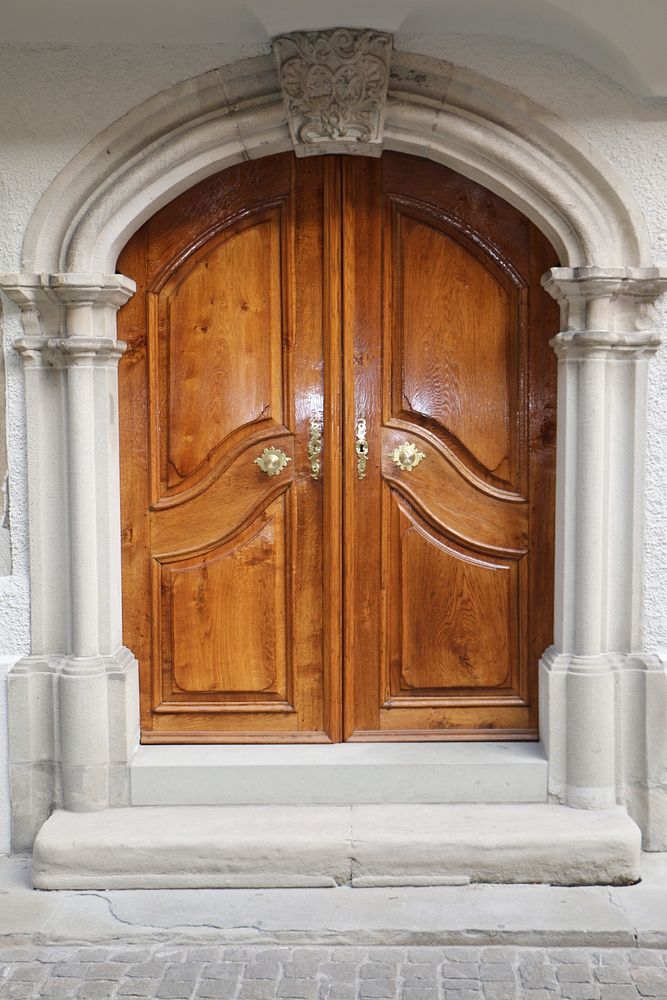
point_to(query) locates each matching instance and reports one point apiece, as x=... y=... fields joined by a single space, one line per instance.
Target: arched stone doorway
x=595 y=675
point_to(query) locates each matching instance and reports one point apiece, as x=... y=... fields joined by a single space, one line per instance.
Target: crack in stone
x=128 y=923
x=175 y=927
x=618 y=903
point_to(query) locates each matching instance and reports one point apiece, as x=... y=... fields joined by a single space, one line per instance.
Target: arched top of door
x=432 y=108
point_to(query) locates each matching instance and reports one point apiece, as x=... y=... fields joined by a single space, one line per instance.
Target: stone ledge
x=311 y=846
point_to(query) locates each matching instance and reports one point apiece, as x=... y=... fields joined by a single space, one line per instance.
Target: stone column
x=596 y=671
x=73 y=703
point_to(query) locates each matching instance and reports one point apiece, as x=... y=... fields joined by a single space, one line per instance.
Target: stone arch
x=434 y=109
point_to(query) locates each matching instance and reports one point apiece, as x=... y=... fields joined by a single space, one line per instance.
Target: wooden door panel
x=208 y=649
x=454 y=351
x=453 y=612
x=445 y=492
x=234 y=498
x=224 y=576
x=446 y=595
x=219 y=348
x=432 y=720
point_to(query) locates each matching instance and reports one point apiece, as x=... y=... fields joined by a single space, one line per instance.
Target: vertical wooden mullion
x=362 y=394
x=349 y=416
x=332 y=448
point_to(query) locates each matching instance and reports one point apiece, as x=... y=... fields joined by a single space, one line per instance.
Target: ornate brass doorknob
x=272 y=461
x=407 y=456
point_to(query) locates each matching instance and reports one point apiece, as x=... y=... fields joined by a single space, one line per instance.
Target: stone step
x=362 y=845
x=339 y=774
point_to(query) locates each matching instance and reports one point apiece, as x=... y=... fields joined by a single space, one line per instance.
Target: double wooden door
x=337 y=456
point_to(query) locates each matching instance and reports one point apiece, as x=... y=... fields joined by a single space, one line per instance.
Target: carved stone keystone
x=334 y=85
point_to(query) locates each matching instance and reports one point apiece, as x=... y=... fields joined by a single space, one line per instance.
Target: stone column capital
x=69 y=352
x=30 y=292
x=34 y=291
x=65 y=306
x=606 y=312
x=26 y=290
x=595 y=282
x=75 y=290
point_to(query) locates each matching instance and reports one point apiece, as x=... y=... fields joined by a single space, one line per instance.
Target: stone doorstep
x=320 y=846
x=339 y=774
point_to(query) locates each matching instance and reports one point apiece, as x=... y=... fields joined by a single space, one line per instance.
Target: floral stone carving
x=334 y=84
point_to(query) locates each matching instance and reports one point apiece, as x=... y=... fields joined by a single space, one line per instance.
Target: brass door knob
x=407 y=456
x=272 y=461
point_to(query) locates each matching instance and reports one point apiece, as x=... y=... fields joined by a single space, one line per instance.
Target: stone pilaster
x=597 y=671
x=73 y=711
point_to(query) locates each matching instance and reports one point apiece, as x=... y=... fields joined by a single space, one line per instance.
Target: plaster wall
x=5 y=664
x=57 y=98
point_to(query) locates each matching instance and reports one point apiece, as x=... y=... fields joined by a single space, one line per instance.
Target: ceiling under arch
x=621 y=40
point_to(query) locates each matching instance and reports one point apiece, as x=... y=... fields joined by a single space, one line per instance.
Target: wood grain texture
x=226 y=353
x=445 y=617
x=454 y=362
x=402 y=606
x=220 y=326
x=454 y=613
x=205 y=648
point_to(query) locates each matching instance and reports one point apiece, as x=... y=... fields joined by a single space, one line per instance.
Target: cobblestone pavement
x=331 y=973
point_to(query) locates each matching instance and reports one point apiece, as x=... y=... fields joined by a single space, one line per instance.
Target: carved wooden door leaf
x=337 y=412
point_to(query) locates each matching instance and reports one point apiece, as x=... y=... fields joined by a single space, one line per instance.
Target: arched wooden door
x=403 y=590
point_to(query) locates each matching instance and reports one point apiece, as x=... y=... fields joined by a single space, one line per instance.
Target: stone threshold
x=339 y=774
x=362 y=846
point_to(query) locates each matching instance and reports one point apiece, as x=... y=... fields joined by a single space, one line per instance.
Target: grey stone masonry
x=159 y=972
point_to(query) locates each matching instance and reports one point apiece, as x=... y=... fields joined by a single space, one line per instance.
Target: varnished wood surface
x=224 y=580
x=449 y=566
x=219 y=346
x=406 y=605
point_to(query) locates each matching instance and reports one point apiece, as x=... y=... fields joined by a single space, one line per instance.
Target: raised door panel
x=226 y=617
x=219 y=348
x=224 y=601
x=454 y=351
x=453 y=612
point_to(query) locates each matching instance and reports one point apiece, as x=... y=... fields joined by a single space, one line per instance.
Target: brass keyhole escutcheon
x=315 y=449
x=272 y=461
x=361 y=448
x=407 y=456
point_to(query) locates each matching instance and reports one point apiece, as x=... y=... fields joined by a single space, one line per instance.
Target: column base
x=46 y=736
x=618 y=703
